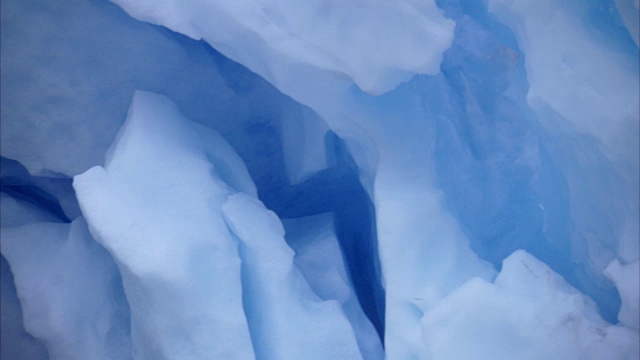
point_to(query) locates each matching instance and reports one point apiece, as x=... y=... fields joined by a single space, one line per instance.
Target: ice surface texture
x=376 y=44
x=209 y=261
x=529 y=312
x=456 y=179
x=69 y=75
x=67 y=286
x=319 y=258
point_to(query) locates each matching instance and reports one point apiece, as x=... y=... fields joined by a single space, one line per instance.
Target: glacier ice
x=303 y=144
x=50 y=88
x=627 y=280
x=15 y=212
x=22 y=344
x=315 y=39
x=224 y=277
x=627 y=10
x=53 y=196
x=164 y=266
x=529 y=312
x=287 y=320
x=371 y=179
x=68 y=289
x=320 y=260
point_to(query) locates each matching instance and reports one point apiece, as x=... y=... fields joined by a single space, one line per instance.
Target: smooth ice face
x=529 y=313
x=198 y=253
x=376 y=44
x=156 y=208
x=287 y=319
x=320 y=260
x=69 y=290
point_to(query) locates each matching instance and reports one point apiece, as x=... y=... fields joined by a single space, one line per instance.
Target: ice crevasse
x=320 y=179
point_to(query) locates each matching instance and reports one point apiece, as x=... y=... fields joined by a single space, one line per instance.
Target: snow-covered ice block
x=68 y=287
x=155 y=206
x=376 y=44
x=320 y=260
x=528 y=313
x=627 y=280
x=288 y=321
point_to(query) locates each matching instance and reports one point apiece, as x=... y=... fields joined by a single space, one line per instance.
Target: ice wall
x=314 y=39
x=69 y=290
x=198 y=253
x=69 y=75
x=320 y=260
x=16 y=342
x=529 y=312
x=443 y=136
x=583 y=80
x=521 y=170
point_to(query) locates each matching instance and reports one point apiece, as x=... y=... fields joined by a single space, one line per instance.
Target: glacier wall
x=323 y=179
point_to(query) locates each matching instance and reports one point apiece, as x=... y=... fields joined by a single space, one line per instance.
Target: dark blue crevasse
x=249 y=121
x=47 y=193
x=338 y=190
x=16 y=181
x=257 y=139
